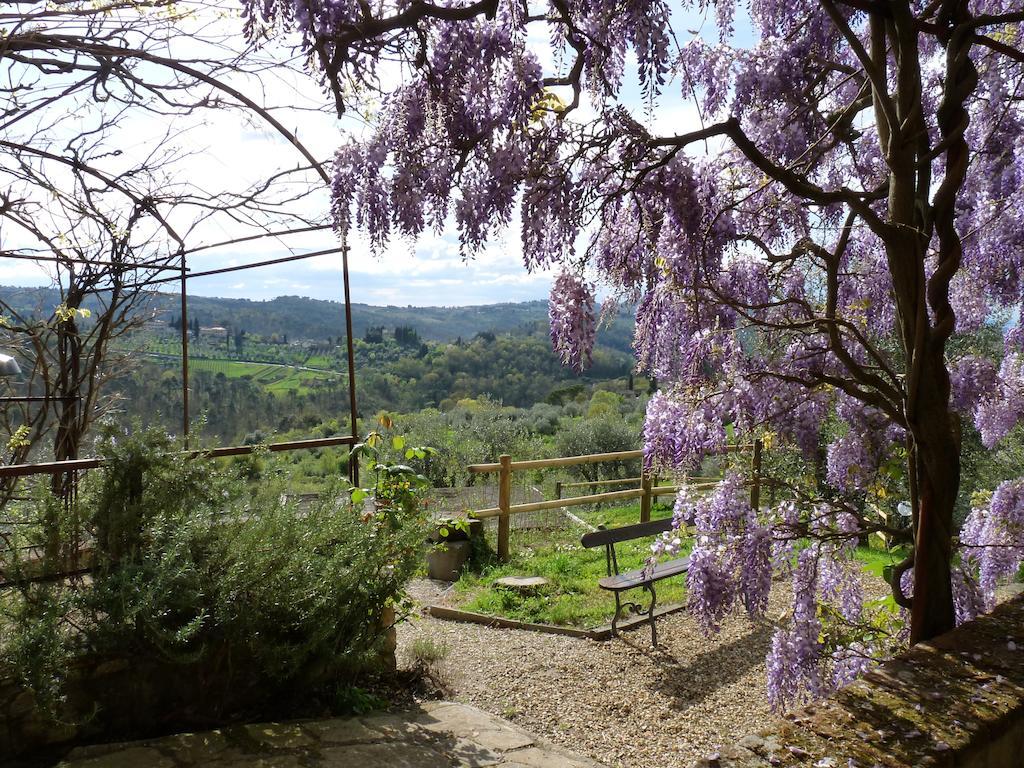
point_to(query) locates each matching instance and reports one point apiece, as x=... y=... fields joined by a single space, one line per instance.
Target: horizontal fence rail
x=592 y=483
x=74 y=465
x=590 y=458
x=646 y=492
x=564 y=461
x=594 y=498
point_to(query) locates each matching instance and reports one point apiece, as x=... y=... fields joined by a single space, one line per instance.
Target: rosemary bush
x=195 y=565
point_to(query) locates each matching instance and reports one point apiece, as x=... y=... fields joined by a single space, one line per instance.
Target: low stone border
x=598 y=633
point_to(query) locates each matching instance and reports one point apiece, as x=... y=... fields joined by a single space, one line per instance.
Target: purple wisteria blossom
x=993 y=546
x=678 y=436
x=571 y=317
x=794 y=661
x=731 y=557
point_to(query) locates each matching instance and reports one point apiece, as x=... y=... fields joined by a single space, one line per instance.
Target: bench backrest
x=626 y=533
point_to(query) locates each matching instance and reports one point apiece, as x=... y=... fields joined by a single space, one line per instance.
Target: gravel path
x=620 y=702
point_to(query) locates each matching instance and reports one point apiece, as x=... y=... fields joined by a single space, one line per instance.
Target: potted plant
x=451 y=548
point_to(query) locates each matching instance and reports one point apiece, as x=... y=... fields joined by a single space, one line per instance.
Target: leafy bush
x=473 y=432
x=542 y=418
x=605 y=434
x=195 y=566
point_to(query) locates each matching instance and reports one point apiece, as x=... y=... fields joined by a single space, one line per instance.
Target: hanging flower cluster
x=992 y=538
x=571 y=318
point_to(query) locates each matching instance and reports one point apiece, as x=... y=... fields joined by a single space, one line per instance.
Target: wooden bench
x=617 y=583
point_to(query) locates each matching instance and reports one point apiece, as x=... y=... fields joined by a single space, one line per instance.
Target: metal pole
x=353 y=462
x=184 y=350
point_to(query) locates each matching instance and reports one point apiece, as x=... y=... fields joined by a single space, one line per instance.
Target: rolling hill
x=302 y=318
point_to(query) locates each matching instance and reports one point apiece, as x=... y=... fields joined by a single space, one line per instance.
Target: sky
x=428 y=272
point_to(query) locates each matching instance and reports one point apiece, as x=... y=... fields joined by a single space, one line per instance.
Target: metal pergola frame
x=183 y=276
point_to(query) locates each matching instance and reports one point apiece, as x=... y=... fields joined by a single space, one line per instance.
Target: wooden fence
x=647 y=491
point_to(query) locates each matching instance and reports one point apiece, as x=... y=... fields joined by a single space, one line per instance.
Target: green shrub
x=427 y=651
x=196 y=565
x=606 y=433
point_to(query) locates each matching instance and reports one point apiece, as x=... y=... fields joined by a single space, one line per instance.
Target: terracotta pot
x=445 y=561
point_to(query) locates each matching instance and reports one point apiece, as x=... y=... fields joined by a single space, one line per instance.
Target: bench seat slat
x=633 y=579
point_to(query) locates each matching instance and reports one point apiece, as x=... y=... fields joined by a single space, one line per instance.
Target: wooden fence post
x=645 y=500
x=755 y=472
x=558 y=489
x=504 y=504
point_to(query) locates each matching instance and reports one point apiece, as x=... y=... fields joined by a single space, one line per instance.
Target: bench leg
x=615 y=618
x=650 y=613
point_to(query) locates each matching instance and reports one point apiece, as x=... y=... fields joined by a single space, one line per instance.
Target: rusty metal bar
x=161 y=265
x=353 y=461
x=290 y=445
x=184 y=351
x=38 y=398
x=239 y=267
x=47 y=467
x=260 y=236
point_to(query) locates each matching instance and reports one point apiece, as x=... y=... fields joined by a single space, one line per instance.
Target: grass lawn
x=876 y=560
x=573 y=597
x=278 y=379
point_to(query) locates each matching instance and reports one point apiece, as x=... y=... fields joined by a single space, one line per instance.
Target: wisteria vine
x=802 y=258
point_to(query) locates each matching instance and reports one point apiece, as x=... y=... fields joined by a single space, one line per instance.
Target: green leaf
x=359 y=495
x=398 y=442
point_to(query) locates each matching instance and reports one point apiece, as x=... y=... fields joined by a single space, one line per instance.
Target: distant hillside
x=302 y=318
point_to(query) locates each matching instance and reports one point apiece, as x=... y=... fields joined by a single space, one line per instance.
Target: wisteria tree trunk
x=938 y=480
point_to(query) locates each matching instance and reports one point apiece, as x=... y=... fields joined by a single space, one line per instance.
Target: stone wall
x=98 y=694
x=957 y=701
x=116 y=699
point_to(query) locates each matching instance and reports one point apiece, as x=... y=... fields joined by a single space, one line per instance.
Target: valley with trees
x=269 y=380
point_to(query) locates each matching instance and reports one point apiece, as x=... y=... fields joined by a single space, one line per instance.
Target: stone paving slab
x=440 y=734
